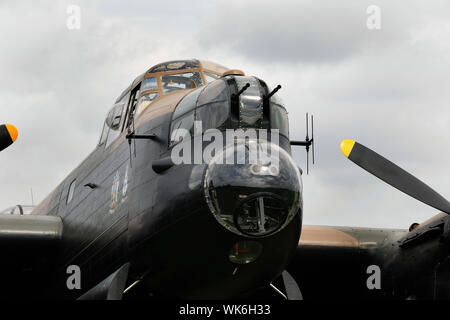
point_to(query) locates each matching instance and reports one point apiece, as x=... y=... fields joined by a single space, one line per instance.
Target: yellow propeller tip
x=13 y=133
x=347 y=147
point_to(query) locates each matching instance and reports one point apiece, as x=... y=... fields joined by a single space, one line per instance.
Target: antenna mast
x=308 y=142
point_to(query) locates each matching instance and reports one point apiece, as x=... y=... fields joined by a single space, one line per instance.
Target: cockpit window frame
x=135 y=93
x=192 y=65
x=159 y=75
x=181 y=75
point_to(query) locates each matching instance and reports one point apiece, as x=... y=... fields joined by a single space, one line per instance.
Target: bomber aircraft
x=173 y=203
x=133 y=221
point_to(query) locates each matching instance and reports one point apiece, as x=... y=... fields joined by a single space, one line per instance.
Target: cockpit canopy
x=172 y=76
x=160 y=80
x=212 y=100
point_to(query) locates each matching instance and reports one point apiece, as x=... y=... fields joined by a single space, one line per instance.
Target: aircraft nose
x=253 y=188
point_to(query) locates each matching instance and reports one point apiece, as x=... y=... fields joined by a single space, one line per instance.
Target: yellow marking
x=12 y=132
x=234 y=272
x=347 y=147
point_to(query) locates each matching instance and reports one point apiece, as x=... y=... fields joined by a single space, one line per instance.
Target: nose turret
x=253 y=188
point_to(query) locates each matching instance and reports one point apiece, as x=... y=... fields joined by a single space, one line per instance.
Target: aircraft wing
x=29 y=247
x=332 y=262
x=31 y=230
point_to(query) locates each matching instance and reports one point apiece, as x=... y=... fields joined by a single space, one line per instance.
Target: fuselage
x=188 y=231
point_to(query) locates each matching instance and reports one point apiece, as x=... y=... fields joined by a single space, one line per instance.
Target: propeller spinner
x=8 y=134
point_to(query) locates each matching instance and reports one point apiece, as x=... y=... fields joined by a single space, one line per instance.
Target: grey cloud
x=298 y=31
x=315 y=32
x=386 y=89
x=57 y=85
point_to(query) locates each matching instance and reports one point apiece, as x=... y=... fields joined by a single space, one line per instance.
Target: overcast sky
x=387 y=88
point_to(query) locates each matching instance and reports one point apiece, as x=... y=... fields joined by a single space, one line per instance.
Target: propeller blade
x=8 y=134
x=393 y=175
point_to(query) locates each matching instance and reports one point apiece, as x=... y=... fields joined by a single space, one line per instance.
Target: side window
x=113 y=122
x=112 y=118
x=104 y=135
x=71 y=191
